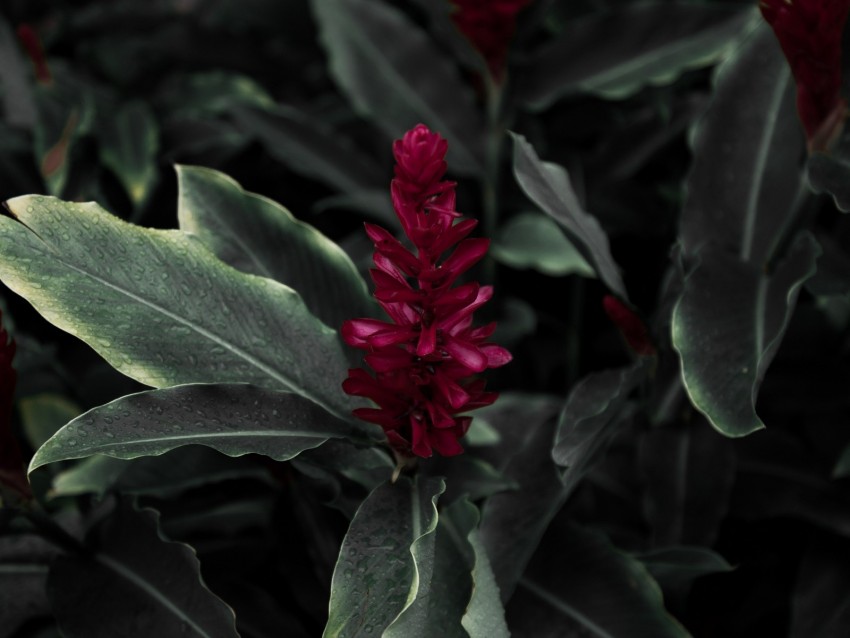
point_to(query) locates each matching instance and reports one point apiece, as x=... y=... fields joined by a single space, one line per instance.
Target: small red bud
x=630 y=325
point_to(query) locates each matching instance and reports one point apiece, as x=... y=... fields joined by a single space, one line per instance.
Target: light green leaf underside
x=261 y=237
x=159 y=307
x=532 y=240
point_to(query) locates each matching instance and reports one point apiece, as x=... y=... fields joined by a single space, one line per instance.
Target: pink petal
x=465 y=353
x=427 y=340
x=496 y=355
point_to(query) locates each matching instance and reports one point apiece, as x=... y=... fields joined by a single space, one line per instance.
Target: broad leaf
x=688 y=475
x=677 y=567
x=620 y=50
x=548 y=186
x=819 y=603
x=182 y=469
x=136 y=582
x=261 y=237
x=17 y=96
x=830 y=173
x=584 y=586
x=591 y=416
x=531 y=240
x=308 y=147
x=24 y=563
x=211 y=93
x=234 y=419
x=385 y=559
x=746 y=174
x=128 y=146
x=160 y=307
x=43 y=414
x=379 y=58
x=727 y=327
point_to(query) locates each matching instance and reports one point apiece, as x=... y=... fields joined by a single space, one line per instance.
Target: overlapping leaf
x=136 y=583
x=386 y=558
x=234 y=419
x=548 y=186
x=261 y=237
x=160 y=307
x=727 y=327
x=618 y=51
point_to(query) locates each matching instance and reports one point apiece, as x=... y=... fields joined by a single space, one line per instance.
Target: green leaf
x=24 y=564
x=261 y=237
x=385 y=559
x=379 y=58
x=468 y=476
x=17 y=94
x=548 y=186
x=676 y=567
x=531 y=240
x=485 y=616
x=234 y=419
x=160 y=307
x=592 y=415
x=688 y=474
x=616 y=52
x=830 y=173
x=43 y=414
x=133 y=575
x=580 y=584
x=727 y=327
x=746 y=175
x=842 y=466
x=444 y=570
x=212 y=93
x=308 y=147
x=128 y=147
x=182 y=469
x=819 y=602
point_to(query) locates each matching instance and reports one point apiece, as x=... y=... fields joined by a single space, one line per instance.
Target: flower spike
x=425 y=360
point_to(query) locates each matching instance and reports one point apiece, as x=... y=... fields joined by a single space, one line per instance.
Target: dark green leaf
x=585 y=586
x=830 y=173
x=531 y=240
x=468 y=476
x=160 y=307
x=136 y=583
x=548 y=186
x=15 y=88
x=819 y=603
x=43 y=414
x=386 y=558
x=379 y=58
x=212 y=93
x=842 y=466
x=591 y=416
x=129 y=146
x=688 y=475
x=618 y=51
x=179 y=470
x=24 y=563
x=308 y=147
x=485 y=616
x=261 y=237
x=727 y=327
x=746 y=174
x=234 y=419
x=677 y=567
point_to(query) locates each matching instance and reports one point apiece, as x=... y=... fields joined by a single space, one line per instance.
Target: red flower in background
x=426 y=357
x=810 y=32
x=490 y=26
x=630 y=325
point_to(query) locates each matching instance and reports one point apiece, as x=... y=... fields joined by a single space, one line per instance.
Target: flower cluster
x=426 y=358
x=810 y=32
x=489 y=25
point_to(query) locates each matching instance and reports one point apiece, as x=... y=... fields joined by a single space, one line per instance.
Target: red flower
x=810 y=32
x=29 y=38
x=630 y=325
x=489 y=25
x=12 y=475
x=426 y=357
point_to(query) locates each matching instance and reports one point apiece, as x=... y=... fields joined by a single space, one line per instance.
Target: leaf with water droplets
x=159 y=307
x=261 y=237
x=234 y=419
x=386 y=558
x=137 y=583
